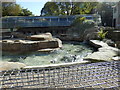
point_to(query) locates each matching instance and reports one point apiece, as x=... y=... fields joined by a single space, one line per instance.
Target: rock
x=116 y=58
x=25 y=46
x=18 y=35
x=104 y=53
x=40 y=37
x=66 y=37
x=91 y=33
x=18 y=45
x=113 y=35
x=66 y=59
x=53 y=61
x=10 y=65
x=97 y=43
x=101 y=56
x=118 y=44
x=110 y=48
x=69 y=58
x=109 y=42
x=59 y=43
x=91 y=36
x=47 y=50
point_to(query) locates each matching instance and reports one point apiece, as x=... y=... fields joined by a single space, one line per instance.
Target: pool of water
x=71 y=52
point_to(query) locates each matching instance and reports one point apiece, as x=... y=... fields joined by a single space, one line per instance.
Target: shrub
x=101 y=34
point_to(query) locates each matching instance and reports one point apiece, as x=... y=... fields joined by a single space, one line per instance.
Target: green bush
x=101 y=34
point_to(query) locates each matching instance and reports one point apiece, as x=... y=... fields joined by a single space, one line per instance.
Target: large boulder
x=66 y=37
x=27 y=45
x=18 y=35
x=91 y=36
x=40 y=37
x=116 y=50
x=118 y=44
x=91 y=33
x=116 y=58
x=97 y=43
x=104 y=53
x=4 y=65
x=109 y=42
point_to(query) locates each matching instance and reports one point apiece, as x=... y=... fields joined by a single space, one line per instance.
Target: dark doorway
x=114 y=22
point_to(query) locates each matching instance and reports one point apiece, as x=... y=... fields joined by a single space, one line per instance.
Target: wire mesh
x=95 y=75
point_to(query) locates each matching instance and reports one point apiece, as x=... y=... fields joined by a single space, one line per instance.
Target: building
x=116 y=15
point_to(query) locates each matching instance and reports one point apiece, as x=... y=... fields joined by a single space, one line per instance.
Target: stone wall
x=25 y=46
x=30 y=43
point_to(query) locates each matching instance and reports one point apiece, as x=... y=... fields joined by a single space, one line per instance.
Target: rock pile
x=35 y=42
x=40 y=37
x=10 y=65
x=90 y=34
x=104 y=53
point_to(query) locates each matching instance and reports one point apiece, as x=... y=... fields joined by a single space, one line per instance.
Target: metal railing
x=14 y=22
x=43 y=21
x=95 y=75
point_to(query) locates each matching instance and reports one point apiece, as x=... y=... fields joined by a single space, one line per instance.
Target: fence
x=17 y=22
x=95 y=75
x=44 y=21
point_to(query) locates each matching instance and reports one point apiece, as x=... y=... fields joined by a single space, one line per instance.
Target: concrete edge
x=54 y=65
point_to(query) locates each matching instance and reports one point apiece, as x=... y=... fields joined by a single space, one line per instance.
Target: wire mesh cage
x=94 y=75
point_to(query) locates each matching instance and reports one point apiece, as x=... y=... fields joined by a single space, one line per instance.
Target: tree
x=50 y=8
x=25 y=12
x=10 y=9
x=68 y=8
x=13 y=9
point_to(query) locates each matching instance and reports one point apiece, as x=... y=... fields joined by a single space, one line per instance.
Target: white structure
x=116 y=15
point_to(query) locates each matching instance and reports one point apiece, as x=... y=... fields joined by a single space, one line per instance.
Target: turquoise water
x=71 y=52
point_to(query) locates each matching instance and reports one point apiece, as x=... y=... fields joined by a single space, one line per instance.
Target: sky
x=34 y=7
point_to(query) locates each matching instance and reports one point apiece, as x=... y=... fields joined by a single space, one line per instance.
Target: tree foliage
x=68 y=8
x=10 y=9
x=25 y=12
x=13 y=9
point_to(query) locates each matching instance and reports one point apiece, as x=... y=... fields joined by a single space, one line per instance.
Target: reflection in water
x=71 y=52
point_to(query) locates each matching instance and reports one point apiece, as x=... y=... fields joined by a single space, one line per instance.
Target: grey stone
x=101 y=56
x=28 y=45
x=4 y=65
x=18 y=35
x=97 y=43
x=109 y=42
x=40 y=37
x=104 y=53
x=91 y=33
x=118 y=44
x=116 y=58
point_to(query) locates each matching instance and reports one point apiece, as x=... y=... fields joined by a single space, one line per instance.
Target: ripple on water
x=71 y=52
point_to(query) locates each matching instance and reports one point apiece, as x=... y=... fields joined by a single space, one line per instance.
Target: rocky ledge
x=4 y=65
x=9 y=67
x=104 y=53
x=30 y=43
